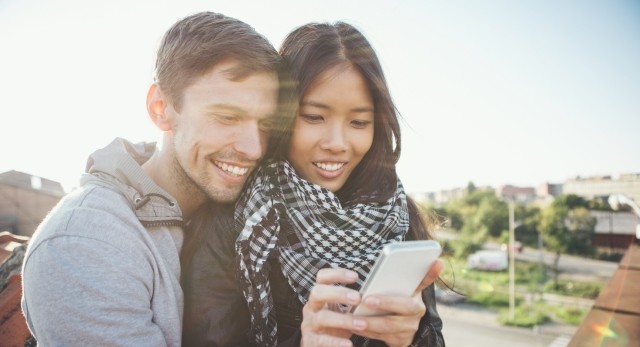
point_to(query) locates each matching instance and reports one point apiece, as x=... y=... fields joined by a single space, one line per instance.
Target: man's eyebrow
x=227 y=107
x=238 y=111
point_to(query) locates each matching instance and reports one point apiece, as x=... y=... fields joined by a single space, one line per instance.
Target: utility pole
x=541 y=268
x=512 y=262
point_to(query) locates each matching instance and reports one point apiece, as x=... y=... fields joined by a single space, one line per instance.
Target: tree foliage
x=479 y=215
x=528 y=218
x=567 y=227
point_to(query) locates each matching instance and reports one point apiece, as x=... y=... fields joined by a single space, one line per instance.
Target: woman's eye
x=360 y=124
x=312 y=118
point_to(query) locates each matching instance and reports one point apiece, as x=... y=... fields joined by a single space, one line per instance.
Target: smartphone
x=399 y=269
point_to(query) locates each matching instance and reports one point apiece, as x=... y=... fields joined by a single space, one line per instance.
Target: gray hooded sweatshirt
x=103 y=268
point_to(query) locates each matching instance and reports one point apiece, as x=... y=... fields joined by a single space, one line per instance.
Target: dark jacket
x=216 y=313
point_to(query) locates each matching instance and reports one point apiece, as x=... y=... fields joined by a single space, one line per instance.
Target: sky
x=493 y=92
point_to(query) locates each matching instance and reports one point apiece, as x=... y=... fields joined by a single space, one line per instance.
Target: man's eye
x=226 y=118
x=266 y=125
x=312 y=118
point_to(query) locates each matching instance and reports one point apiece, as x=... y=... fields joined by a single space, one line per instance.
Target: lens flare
x=604 y=331
x=610 y=334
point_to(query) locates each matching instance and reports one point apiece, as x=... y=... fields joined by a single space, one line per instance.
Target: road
x=568 y=265
x=468 y=326
x=572 y=265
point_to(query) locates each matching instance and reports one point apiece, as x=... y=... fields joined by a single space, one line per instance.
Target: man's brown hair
x=195 y=44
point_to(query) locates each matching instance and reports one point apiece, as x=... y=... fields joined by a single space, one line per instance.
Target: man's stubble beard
x=197 y=186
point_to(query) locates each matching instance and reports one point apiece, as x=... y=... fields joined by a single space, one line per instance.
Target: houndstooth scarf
x=309 y=229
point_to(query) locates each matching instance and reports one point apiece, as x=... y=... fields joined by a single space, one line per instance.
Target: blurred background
x=521 y=111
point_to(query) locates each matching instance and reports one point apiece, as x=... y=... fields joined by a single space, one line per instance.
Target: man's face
x=220 y=132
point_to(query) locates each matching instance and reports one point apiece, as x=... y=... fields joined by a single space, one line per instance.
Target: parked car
x=488 y=260
x=517 y=246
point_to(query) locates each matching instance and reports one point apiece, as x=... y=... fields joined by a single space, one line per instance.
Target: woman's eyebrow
x=312 y=103
x=362 y=109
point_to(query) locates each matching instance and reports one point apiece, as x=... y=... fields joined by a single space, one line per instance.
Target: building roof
x=619 y=223
x=614 y=319
x=31 y=182
x=13 y=327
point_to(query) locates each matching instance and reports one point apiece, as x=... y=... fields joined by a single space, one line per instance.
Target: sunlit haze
x=494 y=92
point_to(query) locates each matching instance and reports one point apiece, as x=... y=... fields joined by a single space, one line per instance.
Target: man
x=103 y=268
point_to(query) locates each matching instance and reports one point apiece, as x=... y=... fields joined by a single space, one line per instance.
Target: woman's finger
x=397 y=305
x=326 y=319
x=431 y=275
x=325 y=294
x=329 y=276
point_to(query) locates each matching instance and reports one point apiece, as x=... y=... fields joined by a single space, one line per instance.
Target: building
x=549 y=189
x=25 y=200
x=440 y=197
x=522 y=195
x=614 y=231
x=603 y=186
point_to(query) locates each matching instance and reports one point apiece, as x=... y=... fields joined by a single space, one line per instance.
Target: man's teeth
x=329 y=166
x=236 y=170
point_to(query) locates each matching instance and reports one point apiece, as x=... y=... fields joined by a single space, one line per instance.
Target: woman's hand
x=322 y=326
x=399 y=326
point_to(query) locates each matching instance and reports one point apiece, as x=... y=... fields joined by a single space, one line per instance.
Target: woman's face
x=334 y=128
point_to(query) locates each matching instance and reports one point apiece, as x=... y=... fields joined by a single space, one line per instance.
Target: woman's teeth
x=329 y=166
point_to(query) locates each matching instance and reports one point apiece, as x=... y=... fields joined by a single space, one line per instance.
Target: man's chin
x=224 y=195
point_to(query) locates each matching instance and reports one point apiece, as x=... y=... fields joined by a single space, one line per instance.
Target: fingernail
x=345 y=344
x=353 y=296
x=359 y=324
x=351 y=275
x=372 y=301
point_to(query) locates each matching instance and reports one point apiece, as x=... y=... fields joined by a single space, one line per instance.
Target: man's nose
x=250 y=142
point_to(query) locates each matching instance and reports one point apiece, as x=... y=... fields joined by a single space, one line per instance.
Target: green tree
x=571 y=201
x=567 y=227
x=599 y=204
x=528 y=218
x=470 y=187
x=492 y=216
x=478 y=215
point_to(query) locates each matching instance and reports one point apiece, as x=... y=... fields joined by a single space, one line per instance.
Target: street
x=469 y=326
x=466 y=325
x=568 y=265
x=571 y=265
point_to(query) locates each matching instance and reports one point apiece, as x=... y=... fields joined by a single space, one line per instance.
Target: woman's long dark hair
x=308 y=52
x=312 y=49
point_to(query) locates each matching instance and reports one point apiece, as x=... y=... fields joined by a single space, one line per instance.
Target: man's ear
x=157 y=105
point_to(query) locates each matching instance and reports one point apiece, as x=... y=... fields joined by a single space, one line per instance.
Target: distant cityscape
x=595 y=187
x=26 y=199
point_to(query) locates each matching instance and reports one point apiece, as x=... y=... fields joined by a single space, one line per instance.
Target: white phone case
x=399 y=269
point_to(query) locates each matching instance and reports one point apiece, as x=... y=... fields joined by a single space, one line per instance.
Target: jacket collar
x=118 y=166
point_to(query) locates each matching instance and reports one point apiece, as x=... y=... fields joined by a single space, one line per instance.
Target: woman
x=328 y=200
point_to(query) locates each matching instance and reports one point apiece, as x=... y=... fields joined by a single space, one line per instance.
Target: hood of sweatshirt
x=118 y=166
